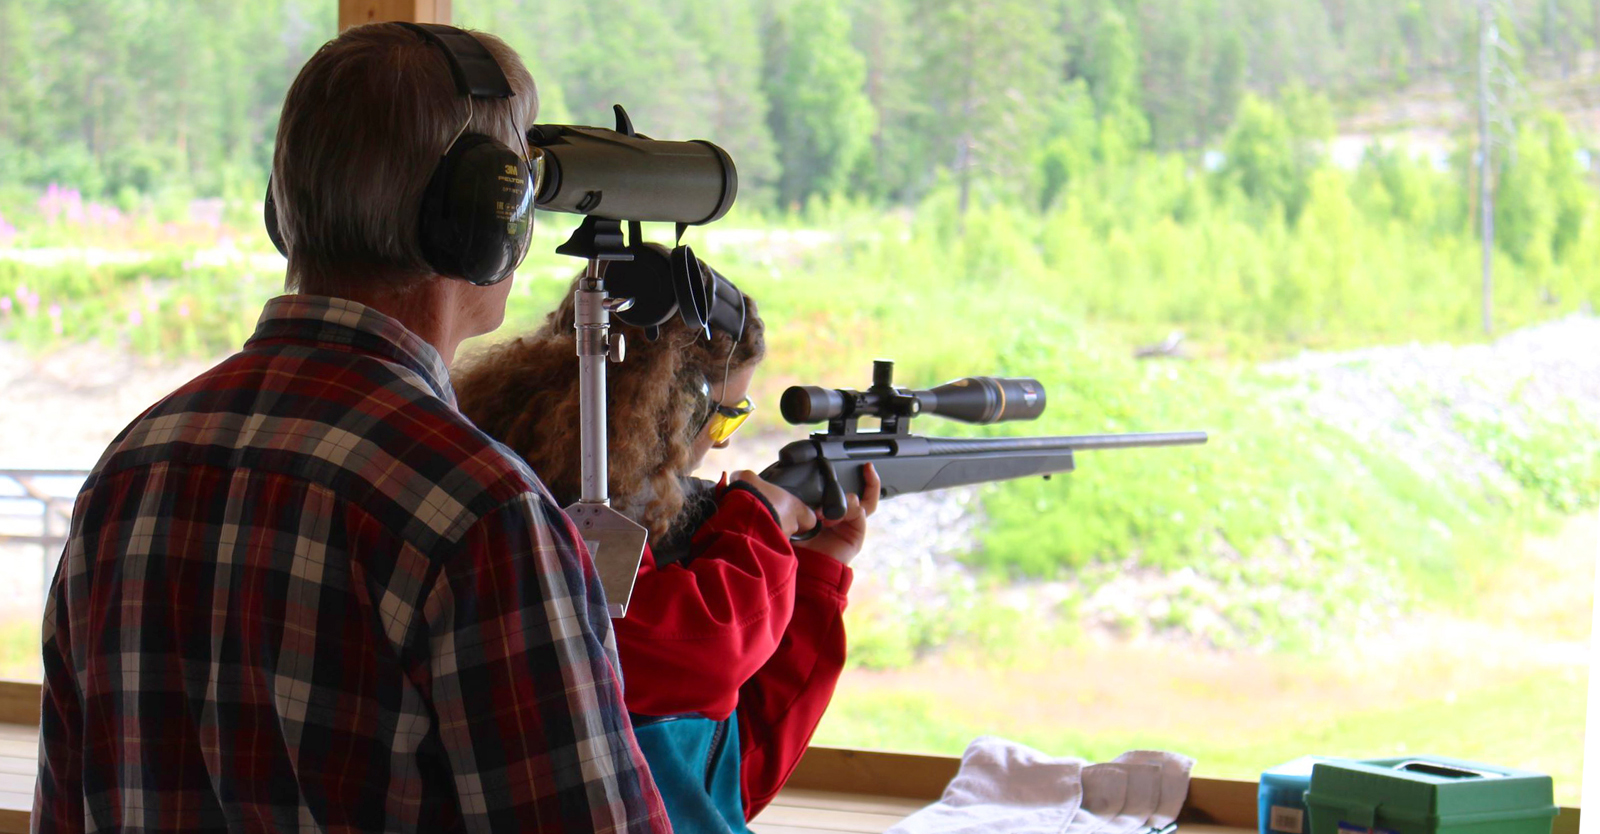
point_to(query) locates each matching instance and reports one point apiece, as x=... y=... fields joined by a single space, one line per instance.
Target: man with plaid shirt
x=303 y=593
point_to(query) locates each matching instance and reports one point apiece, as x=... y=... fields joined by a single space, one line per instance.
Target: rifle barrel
x=1076 y=443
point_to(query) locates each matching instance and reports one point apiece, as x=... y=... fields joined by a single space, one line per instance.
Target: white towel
x=1004 y=786
x=1139 y=800
x=1175 y=770
x=1105 y=791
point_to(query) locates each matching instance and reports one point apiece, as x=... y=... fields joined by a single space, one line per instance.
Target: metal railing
x=42 y=494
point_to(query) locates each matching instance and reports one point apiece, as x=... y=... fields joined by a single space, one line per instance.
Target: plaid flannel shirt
x=303 y=593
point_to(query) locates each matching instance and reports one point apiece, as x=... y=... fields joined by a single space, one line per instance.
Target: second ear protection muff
x=726 y=303
x=676 y=283
x=657 y=295
x=476 y=216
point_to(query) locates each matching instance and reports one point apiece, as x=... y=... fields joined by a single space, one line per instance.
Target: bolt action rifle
x=822 y=469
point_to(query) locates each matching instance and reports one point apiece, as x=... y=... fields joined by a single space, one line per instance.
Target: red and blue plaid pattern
x=303 y=593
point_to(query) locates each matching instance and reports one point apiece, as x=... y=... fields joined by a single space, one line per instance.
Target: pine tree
x=815 y=80
x=992 y=71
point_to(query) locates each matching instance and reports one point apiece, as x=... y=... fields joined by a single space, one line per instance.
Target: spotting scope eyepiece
x=973 y=399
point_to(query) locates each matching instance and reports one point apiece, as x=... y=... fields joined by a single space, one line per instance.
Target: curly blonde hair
x=524 y=393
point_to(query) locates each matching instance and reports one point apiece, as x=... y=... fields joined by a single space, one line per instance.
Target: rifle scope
x=973 y=399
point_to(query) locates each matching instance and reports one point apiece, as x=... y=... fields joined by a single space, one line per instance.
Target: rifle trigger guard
x=833 y=500
x=809 y=534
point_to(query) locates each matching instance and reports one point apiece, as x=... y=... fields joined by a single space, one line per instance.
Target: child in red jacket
x=734 y=639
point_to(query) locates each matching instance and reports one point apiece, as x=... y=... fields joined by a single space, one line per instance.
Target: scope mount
x=894 y=408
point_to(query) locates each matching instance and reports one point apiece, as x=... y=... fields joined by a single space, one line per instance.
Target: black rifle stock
x=822 y=469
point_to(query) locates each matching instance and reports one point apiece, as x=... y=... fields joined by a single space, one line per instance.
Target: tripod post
x=615 y=542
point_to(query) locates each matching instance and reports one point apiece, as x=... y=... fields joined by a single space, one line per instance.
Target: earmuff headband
x=476 y=72
x=727 y=305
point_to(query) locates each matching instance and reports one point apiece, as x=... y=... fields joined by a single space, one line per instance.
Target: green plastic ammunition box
x=1427 y=795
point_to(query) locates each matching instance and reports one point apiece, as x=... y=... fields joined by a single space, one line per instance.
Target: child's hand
x=793 y=516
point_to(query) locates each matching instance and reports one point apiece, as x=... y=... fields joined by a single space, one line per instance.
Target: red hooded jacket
x=746 y=620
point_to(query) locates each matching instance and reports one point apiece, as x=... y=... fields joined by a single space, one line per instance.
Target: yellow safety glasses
x=726 y=419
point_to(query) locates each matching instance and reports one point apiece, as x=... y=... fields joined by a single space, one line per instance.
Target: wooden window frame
x=357 y=12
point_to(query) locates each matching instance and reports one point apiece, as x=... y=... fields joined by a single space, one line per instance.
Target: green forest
x=1156 y=128
x=814 y=98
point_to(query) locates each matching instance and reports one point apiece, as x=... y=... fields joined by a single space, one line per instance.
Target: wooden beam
x=1229 y=802
x=357 y=12
x=842 y=770
x=19 y=703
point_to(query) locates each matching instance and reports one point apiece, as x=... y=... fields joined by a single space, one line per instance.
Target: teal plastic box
x=1427 y=795
x=1281 y=796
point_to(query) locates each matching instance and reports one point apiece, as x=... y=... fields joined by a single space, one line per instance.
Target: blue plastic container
x=1281 y=798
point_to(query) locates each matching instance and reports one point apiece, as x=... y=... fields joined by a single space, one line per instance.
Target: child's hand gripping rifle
x=822 y=469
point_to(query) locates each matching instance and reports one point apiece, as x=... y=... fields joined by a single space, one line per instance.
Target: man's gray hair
x=364 y=125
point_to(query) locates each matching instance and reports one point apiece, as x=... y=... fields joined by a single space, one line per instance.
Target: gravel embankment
x=1407 y=399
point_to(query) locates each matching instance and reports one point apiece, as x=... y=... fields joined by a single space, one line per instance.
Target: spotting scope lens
x=974 y=399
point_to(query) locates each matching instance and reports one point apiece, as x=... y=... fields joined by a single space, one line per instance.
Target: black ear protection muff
x=662 y=286
x=657 y=297
x=726 y=302
x=477 y=211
